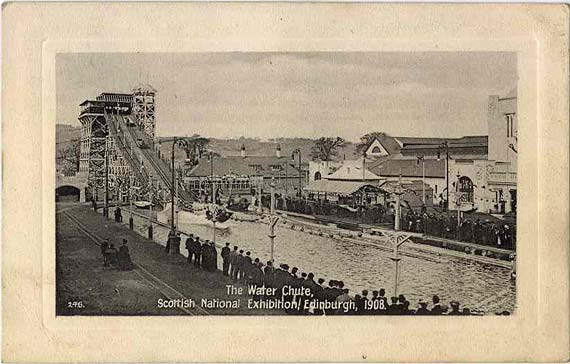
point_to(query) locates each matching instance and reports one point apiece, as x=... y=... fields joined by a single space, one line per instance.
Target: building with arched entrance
x=71 y=188
x=490 y=184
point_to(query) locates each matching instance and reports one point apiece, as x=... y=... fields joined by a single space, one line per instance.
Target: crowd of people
x=376 y=214
x=474 y=230
x=483 y=232
x=239 y=265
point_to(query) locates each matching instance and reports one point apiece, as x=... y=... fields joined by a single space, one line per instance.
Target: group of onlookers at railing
x=478 y=230
x=483 y=232
x=334 y=297
x=375 y=214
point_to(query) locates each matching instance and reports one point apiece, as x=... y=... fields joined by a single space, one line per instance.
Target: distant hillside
x=256 y=147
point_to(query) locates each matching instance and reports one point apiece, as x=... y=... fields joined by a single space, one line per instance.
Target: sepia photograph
x=286 y=183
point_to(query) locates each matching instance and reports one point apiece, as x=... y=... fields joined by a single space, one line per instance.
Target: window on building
x=317 y=176
x=466 y=188
x=510 y=127
x=376 y=150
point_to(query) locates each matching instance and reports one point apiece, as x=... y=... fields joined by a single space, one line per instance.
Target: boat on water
x=200 y=217
x=237 y=204
x=142 y=204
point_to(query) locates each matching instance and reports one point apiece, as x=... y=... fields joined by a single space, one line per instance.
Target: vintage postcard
x=286 y=183
x=322 y=186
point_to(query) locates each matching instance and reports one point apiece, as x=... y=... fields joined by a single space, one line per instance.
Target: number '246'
x=75 y=304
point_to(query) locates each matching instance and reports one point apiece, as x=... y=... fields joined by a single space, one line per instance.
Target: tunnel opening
x=67 y=194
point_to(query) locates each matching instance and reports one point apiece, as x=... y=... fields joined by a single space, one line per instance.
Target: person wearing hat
x=225 y=254
x=269 y=275
x=247 y=265
x=507 y=237
x=454 y=308
x=383 y=304
x=213 y=257
x=406 y=308
x=204 y=255
x=232 y=258
x=190 y=247
x=118 y=214
x=436 y=309
x=111 y=255
x=238 y=273
x=309 y=282
x=256 y=276
x=104 y=247
x=361 y=303
x=422 y=310
x=393 y=308
x=196 y=250
x=124 y=258
x=281 y=278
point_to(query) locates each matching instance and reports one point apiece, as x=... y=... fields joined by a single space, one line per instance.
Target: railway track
x=165 y=289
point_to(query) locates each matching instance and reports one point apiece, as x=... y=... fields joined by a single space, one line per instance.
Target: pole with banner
x=458 y=201
x=396 y=239
x=150 y=232
x=131 y=223
x=272 y=220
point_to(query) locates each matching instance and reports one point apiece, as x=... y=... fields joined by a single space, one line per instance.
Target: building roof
x=245 y=166
x=92 y=102
x=390 y=144
x=338 y=187
x=392 y=186
x=407 y=142
x=352 y=171
x=413 y=140
x=408 y=168
x=115 y=97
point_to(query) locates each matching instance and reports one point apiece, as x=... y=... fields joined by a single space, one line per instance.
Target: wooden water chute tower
x=143 y=108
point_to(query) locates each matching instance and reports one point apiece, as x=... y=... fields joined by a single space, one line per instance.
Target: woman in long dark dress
x=125 y=262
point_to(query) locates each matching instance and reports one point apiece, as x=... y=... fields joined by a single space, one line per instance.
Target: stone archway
x=67 y=193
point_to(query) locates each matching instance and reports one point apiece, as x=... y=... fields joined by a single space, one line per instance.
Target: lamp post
x=399 y=192
x=297 y=152
x=212 y=177
x=131 y=223
x=396 y=240
x=259 y=207
x=272 y=220
x=458 y=201
x=286 y=179
x=421 y=159
x=445 y=146
x=182 y=143
x=150 y=232
x=177 y=202
x=172 y=226
x=106 y=208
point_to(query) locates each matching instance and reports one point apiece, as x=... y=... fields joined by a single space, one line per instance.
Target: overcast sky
x=267 y=95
